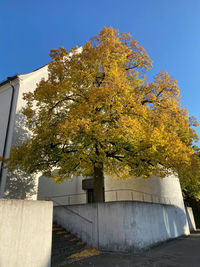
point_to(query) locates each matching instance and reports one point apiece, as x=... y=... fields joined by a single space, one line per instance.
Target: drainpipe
x=7 y=131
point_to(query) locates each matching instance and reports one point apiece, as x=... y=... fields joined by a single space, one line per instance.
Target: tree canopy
x=97 y=113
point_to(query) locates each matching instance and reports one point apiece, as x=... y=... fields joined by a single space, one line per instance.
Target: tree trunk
x=98 y=183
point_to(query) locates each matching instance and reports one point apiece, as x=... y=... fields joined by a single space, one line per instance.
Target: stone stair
x=64 y=244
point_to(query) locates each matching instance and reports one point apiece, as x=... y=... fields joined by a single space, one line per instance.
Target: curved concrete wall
x=128 y=226
x=153 y=189
x=190 y=218
x=68 y=192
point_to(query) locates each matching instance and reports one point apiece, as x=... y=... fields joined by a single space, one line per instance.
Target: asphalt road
x=183 y=251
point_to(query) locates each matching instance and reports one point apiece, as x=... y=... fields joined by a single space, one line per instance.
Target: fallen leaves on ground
x=87 y=252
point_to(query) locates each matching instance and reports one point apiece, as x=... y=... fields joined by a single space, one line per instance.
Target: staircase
x=64 y=244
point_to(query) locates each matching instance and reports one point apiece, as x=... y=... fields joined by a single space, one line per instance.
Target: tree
x=190 y=178
x=190 y=183
x=96 y=113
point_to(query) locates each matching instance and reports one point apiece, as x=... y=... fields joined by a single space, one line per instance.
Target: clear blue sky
x=169 y=30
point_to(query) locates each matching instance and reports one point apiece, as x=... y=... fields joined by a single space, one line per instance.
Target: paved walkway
x=183 y=251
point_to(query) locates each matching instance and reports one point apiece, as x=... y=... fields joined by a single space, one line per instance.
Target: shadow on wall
x=139 y=226
x=20 y=185
x=172 y=228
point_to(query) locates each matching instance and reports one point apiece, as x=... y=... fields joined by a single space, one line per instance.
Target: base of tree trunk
x=98 y=183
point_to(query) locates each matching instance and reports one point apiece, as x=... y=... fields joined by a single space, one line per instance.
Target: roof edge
x=12 y=78
x=35 y=69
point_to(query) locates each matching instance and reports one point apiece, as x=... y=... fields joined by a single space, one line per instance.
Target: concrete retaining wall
x=66 y=193
x=25 y=233
x=190 y=218
x=123 y=226
x=153 y=189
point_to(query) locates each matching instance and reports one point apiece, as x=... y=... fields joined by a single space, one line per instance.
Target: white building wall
x=19 y=184
x=28 y=83
x=153 y=189
x=8 y=100
x=66 y=193
x=5 y=101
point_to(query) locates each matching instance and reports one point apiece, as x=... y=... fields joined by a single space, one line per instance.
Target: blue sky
x=169 y=30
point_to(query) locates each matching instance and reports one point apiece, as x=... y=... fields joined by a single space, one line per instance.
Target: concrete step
x=64 y=244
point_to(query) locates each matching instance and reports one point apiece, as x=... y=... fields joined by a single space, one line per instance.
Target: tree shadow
x=19 y=184
x=21 y=132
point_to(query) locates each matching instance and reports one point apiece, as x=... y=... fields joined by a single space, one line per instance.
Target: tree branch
x=62 y=100
x=133 y=67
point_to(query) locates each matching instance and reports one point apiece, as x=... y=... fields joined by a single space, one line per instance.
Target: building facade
x=18 y=184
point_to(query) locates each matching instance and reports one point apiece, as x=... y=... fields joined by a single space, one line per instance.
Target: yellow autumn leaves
x=98 y=108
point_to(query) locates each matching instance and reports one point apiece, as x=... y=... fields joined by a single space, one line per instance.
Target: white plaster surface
x=28 y=83
x=66 y=193
x=25 y=233
x=123 y=226
x=153 y=189
x=5 y=99
x=5 y=102
x=18 y=132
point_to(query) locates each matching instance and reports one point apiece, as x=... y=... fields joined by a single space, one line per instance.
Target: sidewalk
x=183 y=251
